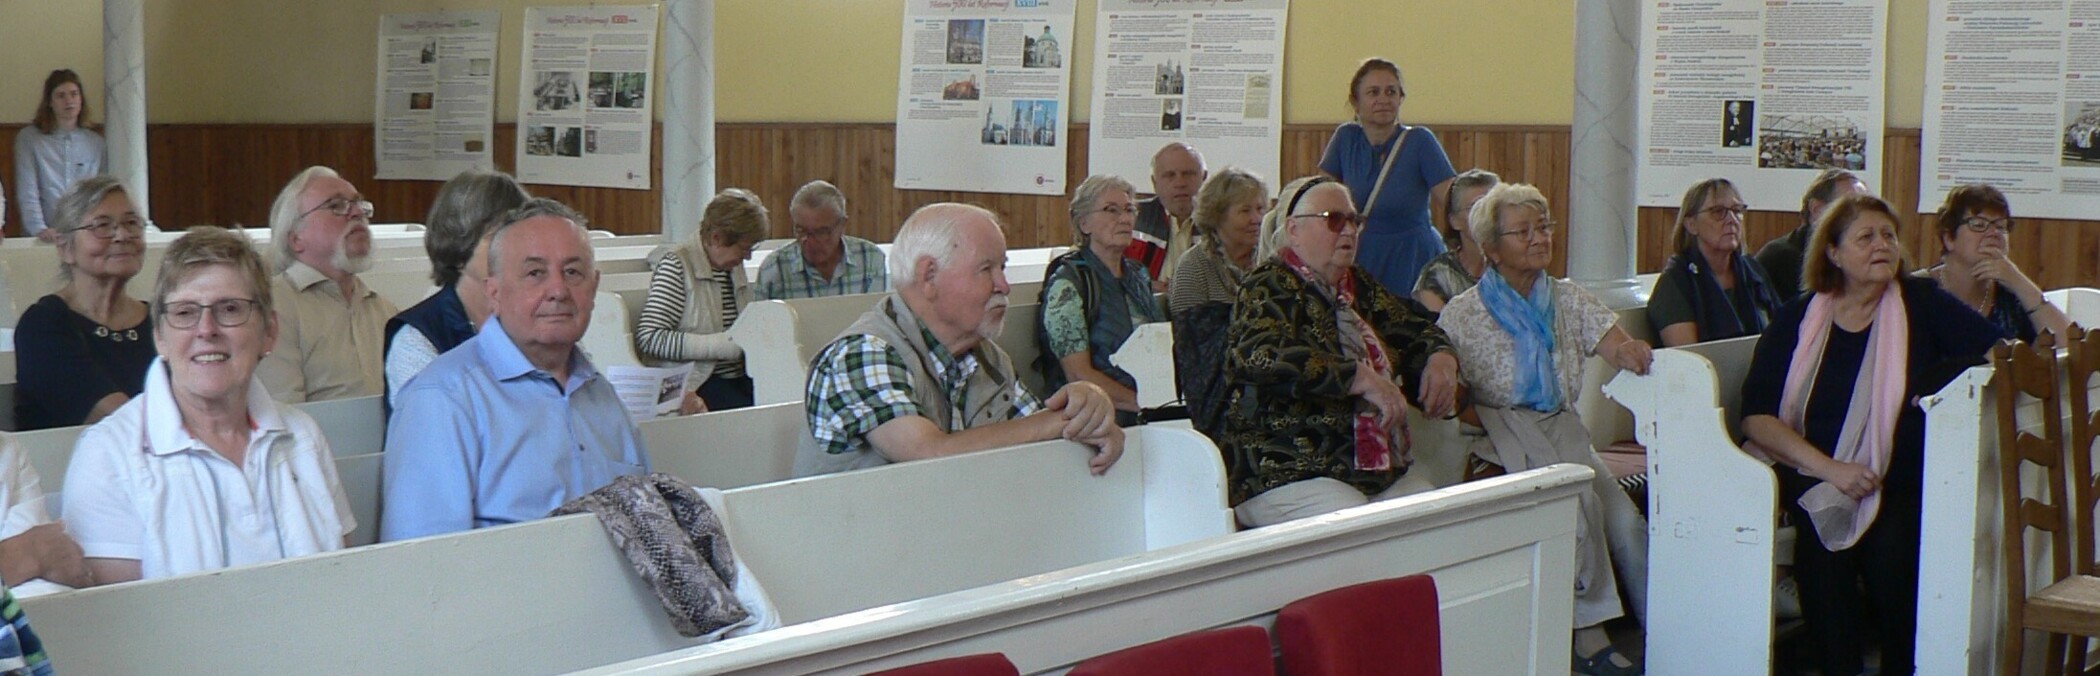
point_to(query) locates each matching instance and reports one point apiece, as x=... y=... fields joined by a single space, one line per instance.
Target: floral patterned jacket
x=1288 y=415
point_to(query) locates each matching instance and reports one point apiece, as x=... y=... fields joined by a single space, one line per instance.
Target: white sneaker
x=1786 y=599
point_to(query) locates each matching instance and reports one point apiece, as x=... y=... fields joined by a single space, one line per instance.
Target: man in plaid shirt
x=918 y=376
x=823 y=260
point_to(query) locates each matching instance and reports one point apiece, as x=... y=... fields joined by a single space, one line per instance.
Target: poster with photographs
x=2014 y=102
x=1764 y=94
x=585 y=95
x=1188 y=71
x=436 y=107
x=989 y=70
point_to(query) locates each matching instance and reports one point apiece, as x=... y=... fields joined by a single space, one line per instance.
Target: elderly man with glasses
x=334 y=327
x=823 y=260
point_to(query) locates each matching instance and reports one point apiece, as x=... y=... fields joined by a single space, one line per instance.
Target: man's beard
x=343 y=262
x=993 y=323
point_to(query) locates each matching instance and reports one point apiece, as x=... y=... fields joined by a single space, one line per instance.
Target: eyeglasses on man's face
x=343 y=207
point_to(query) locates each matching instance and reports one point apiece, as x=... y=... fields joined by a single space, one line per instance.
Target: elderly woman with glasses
x=1523 y=336
x=1710 y=290
x=1975 y=225
x=1094 y=297
x=83 y=351
x=1317 y=361
x=204 y=470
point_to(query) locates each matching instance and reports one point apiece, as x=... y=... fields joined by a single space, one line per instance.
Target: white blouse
x=140 y=487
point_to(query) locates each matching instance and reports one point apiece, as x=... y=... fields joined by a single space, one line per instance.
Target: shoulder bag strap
x=1378 y=186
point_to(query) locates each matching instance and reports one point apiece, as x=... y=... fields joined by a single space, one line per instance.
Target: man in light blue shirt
x=823 y=260
x=515 y=421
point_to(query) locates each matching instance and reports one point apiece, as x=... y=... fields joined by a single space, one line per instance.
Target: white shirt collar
x=164 y=432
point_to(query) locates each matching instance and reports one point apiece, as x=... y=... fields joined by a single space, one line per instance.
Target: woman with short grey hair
x=1095 y=297
x=83 y=351
x=1524 y=336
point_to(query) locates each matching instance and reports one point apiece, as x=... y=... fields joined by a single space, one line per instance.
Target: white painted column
x=124 y=95
x=688 y=86
x=1601 y=204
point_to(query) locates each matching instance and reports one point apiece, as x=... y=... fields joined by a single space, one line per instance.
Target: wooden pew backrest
x=1501 y=550
x=728 y=449
x=1711 y=514
x=1029 y=493
x=495 y=601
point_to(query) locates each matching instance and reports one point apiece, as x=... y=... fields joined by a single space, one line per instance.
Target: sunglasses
x=1337 y=221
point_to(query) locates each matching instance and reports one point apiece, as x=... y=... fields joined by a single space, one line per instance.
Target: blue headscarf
x=1530 y=326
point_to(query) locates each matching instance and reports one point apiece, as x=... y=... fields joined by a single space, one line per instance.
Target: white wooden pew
x=355 y=426
x=1711 y=513
x=1501 y=550
x=728 y=449
x=502 y=600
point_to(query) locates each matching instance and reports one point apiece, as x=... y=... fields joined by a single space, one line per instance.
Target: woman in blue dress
x=1392 y=169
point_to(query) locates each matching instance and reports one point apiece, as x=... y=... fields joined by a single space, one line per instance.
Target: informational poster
x=437 y=94
x=585 y=94
x=1765 y=94
x=2012 y=98
x=1201 y=72
x=982 y=87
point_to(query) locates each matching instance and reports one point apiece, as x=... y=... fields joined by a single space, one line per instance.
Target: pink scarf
x=1869 y=432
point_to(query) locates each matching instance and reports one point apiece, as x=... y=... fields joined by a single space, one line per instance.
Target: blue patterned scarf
x=1530 y=326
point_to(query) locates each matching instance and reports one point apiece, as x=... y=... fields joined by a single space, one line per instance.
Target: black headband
x=1292 y=208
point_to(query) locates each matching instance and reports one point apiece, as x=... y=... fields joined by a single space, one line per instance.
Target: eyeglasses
x=1336 y=221
x=1541 y=230
x=343 y=207
x=226 y=313
x=107 y=230
x=1981 y=224
x=1119 y=210
x=1726 y=210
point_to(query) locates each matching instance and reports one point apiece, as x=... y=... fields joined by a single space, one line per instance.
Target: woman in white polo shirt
x=204 y=470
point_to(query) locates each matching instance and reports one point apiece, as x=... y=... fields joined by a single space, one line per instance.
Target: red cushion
x=1387 y=628
x=988 y=664
x=1235 y=651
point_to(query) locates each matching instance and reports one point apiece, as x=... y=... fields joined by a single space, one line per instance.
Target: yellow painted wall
x=260 y=61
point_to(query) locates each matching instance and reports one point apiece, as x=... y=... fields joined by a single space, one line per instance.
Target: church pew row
x=1711 y=513
x=487 y=601
x=1501 y=550
x=30 y=272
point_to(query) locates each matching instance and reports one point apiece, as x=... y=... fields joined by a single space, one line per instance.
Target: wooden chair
x=2082 y=364
x=2070 y=605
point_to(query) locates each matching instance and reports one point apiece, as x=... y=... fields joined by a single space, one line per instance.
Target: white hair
x=284 y=213
x=1485 y=221
x=931 y=232
x=820 y=194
